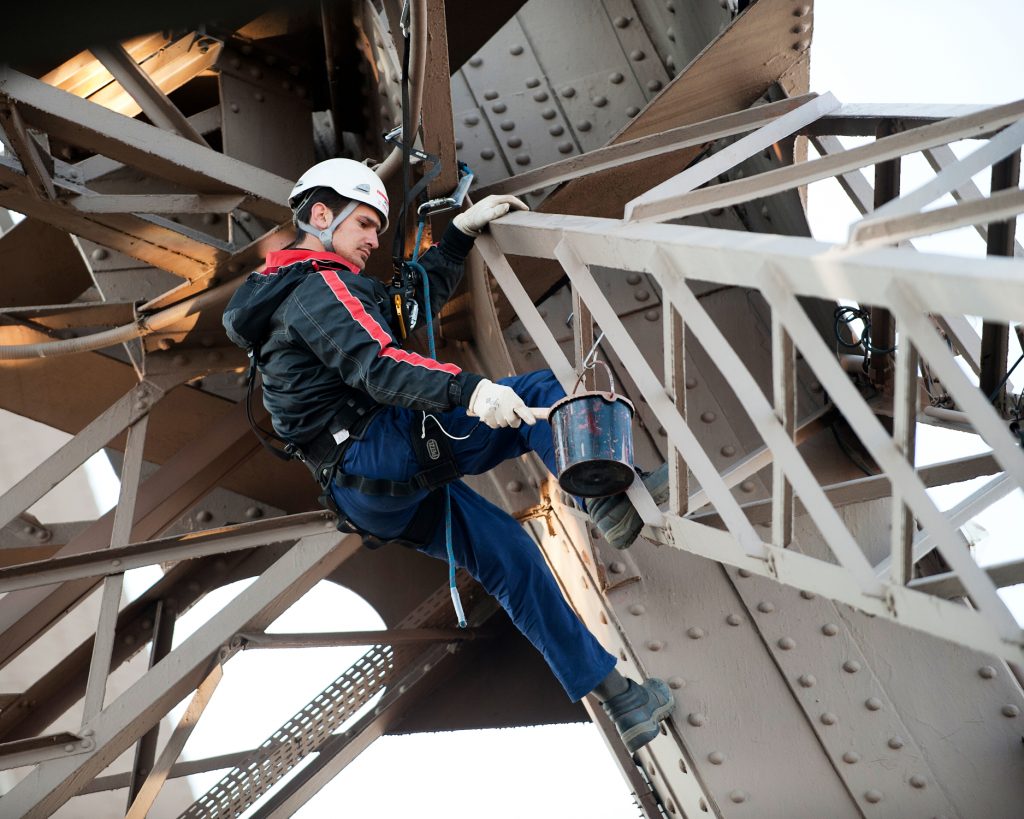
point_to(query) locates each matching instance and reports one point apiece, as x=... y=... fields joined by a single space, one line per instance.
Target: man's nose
x=374 y=241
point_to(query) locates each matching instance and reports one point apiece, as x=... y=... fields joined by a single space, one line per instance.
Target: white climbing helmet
x=348 y=178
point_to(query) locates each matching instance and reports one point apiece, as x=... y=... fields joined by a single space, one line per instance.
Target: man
x=357 y=408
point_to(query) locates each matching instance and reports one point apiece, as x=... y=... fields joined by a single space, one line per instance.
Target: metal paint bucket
x=593 y=437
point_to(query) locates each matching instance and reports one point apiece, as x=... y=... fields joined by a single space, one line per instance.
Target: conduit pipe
x=143 y=326
x=418 y=61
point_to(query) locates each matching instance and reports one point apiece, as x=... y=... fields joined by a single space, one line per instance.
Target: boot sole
x=643 y=732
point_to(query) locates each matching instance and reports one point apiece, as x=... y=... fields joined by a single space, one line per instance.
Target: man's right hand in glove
x=498 y=406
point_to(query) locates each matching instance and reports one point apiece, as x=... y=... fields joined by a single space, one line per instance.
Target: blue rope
x=456 y=599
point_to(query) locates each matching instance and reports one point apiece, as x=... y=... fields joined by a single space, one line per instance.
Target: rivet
x=873 y=704
x=515 y=142
x=634 y=278
x=716 y=757
x=100 y=253
x=204 y=516
x=801 y=11
x=748 y=486
x=115 y=562
x=671 y=34
x=471 y=120
x=499 y=108
x=604 y=618
x=654 y=85
x=234 y=107
x=682 y=766
x=642 y=295
x=829 y=718
x=255 y=72
x=851 y=757
x=541 y=96
x=987 y=672
x=68 y=748
x=1010 y=711
x=476 y=62
x=637 y=55
x=565 y=147
x=458 y=145
x=728 y=450
x=532 y=82
x=583 y=126
x=522 y=159
x=549 y=113
x=696 y=720
x=734 y=620
x=514 y=486
x=671 y=807
x=654 y=645
x=806 y=595
x=632 y=111
x=765 y=607
x=490 y=95
x=801 y=45
x=675 y=683
x=917 y=781
x=807 y=680
x=129 y=639
x=253 y=512
x=637 y=609
x=507 y=125
x=695 y=633
x=787 y=643
x=568 y=91
x=743 y=573
x=258 y=96
x=617 y=567
x=556 y=130
x=873 y=796
x=487 y=153
x=621 y=22
x=851 y=666
x=234 y=62
x=703 y=805
x=615 y=78
x=708 y=417
x=600 y=101
x=654 y=315
x=896 y=743
x=830 y=629
x=516 y=50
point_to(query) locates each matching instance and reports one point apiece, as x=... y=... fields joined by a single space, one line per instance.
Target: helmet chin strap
x=325 y=236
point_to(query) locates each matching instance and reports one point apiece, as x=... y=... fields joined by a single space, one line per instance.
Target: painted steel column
x=883 y=334
x=145 y=749
x=994 y=336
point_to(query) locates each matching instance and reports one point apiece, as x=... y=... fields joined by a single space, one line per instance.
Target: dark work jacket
x=331 y=358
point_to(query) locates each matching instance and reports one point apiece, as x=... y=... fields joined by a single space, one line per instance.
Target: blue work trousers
x=486 y=541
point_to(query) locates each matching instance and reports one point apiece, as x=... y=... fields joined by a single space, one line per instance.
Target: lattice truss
x=938 y=369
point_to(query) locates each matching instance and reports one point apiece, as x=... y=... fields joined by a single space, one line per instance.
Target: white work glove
x=498 y=406
x=473 y=221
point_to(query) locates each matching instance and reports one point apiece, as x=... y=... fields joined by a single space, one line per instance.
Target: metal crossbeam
x=50 y=784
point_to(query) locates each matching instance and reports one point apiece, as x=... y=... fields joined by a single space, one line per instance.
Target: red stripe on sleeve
x=377 y=333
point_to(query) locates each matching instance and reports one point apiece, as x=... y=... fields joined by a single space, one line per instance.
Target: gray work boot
x=637 y=711
x=615 y=516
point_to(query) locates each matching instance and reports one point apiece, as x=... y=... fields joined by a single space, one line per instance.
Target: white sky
x=939 y=51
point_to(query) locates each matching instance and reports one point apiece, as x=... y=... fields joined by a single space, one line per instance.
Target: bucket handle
x=610 y=394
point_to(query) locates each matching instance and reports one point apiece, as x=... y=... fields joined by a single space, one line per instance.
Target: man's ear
x=320 y=216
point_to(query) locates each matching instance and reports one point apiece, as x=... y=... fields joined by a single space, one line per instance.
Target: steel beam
x=141 y=87
x=168 y=203
x=127 y=410
x=140 y=806
x=135 y=143
x=222 y=540
x=645 y=147
x=28 y=151
x=658 y=202
x=782 y=179
x=179 y=483
x=387 y=637
x=51 y=784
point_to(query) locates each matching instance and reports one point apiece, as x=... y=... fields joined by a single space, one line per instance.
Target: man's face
x=356 y=237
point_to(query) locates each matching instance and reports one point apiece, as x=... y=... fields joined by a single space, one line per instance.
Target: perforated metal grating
x=313 y=725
